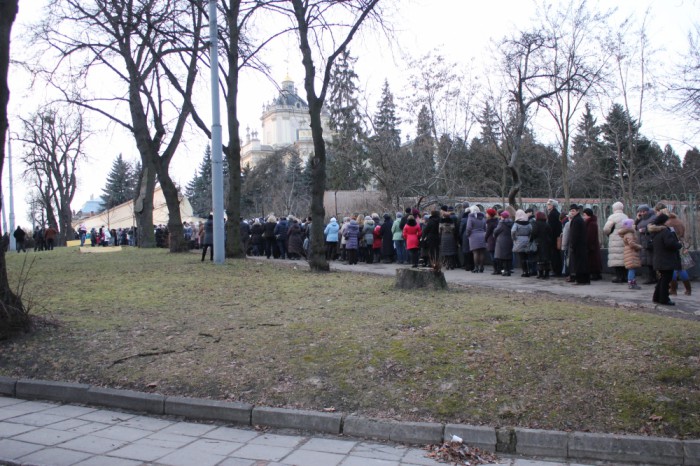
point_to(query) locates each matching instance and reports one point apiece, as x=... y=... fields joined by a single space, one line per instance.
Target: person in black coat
x=431 y=237
x=555 y=225
x=244 y=230
x=665 y=257
x=541 y=235
x=387 y=239
x=578 y=259
x=20 y=235
x=256 y=238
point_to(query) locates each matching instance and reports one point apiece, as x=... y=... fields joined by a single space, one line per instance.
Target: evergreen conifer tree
x=198 y=190
x=121 y=184
x=346 y=163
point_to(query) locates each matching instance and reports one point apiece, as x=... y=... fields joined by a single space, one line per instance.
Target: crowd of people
x=543 y=244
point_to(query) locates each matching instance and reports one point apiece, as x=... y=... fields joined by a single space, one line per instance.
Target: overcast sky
x=462 y=30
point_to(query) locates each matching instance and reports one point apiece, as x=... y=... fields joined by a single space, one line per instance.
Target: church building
x=285 y=126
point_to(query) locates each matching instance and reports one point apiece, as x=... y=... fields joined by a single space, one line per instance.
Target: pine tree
x=386 y=123
x=346 y=156
x=424 y=144
x=198 y=190
x=121 y=185
x=591 y=175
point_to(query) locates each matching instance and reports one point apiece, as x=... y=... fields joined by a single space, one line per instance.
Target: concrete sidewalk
x=601 y=291
x=44 y=433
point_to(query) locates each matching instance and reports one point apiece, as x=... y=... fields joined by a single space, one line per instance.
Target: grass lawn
x=269 y=335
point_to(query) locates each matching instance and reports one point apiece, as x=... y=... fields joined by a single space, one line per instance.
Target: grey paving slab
x=231 y=434
x=79 y=425
x=355 y=461
x=108 y=461
x=107 y=416
x=188 y=428
x=314 y=458
x=289 y=441
x=39 y=419
x=93 y=444
x=7 y=401
x=9 y=429
x=146 y=423
x=379 y=451
x=215 y=447
x=190 y=457
x=262 y=452
x=166 y=440
x=14 y=449
x=55 y=457
x=418 y=456
x=329 y=445
x=128 y=434
x=46 y=436
x=69 y=411
x=141 y=452
x=238 y=462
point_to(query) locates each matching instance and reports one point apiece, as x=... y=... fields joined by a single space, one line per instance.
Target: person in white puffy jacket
x=616 y=245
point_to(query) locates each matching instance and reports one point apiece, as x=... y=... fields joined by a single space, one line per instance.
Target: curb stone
x=50 y=390
x=298 y=419
x=529 y=442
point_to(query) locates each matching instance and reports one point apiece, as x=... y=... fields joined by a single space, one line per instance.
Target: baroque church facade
x=285 y=126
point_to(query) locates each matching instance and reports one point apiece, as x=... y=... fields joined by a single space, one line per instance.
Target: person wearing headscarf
x=578 y=247
x=645 y=216
x=331 y=234
x=665 y=257
x=616 y=247
x=678 y=226
x=631 y=252
x=521 y=240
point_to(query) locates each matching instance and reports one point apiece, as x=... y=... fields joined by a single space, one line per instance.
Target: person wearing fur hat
x=678 y=226
x=503 y=252
x=578 y=247
x=616 y=246
x=645 y=216
x=631 y=251
x=595 y=264
x=491 y=224
x=665 y=255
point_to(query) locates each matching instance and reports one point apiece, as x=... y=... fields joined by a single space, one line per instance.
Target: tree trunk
x=172 y=200
x=65 y=229
x=13 y=315
x=143 y=206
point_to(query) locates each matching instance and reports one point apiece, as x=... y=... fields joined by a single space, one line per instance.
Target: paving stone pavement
x=42 y=433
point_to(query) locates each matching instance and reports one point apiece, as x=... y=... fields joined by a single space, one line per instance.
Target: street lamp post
x=217 y=166
x=13 y=244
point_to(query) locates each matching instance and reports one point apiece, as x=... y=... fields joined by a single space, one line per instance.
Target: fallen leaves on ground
x=460 y=453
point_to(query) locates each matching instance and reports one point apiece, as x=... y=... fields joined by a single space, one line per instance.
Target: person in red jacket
x=50 y=237
x=411 y=234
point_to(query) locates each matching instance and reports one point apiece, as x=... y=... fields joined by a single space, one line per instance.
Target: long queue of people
x=543 y=244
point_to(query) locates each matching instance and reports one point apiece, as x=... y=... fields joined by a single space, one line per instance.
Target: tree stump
x=409 y=279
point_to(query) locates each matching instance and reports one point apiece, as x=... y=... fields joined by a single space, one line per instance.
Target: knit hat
x=415 y=212
x=660 y=219
x=520 y=215
x=491 y=212
x=399 y=215
x=618 y=207
x=627 y=223
x=333 y=219
x=443 y=208
x=505 y=214
x=574 y=207
x=643 y=208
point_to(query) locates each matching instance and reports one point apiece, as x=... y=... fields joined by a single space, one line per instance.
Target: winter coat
x=631 y=247
x=352 y=235
x=672 y=222
x=396 y=230
x=295 y=240
x=616 y=247
x=281 y=230
x=578 y=249
x=520 y=232
x=665 y=249
x=476 y=231
x=377 y=241
x=368 y=232
x=331 y=232
x=491 y=225
x=595 y=264
x=244 y=230
x=387 y=237
x=343 y=229
x=270 y=229
x=555 y=226
x=448 y=237
x=541 y=235
x=208 y=232
x=504 y=240
x=19 y=235
x=411 y=233
x=431 y=232
x=645 y=237
x=50 y=233
x=463 y=238
x=256 y=234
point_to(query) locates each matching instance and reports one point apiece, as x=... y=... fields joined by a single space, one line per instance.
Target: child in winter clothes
x=631 y=252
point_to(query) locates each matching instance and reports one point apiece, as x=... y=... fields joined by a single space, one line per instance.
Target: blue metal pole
x=217 y=166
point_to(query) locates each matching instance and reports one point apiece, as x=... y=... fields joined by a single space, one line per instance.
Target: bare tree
x=530 y=83
x=576 y=57
x=55 y=142
x=13 y=315
x=131 y=41
x=685 y=85
x=316 y=21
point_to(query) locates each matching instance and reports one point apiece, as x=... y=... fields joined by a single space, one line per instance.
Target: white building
x=285 y=124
